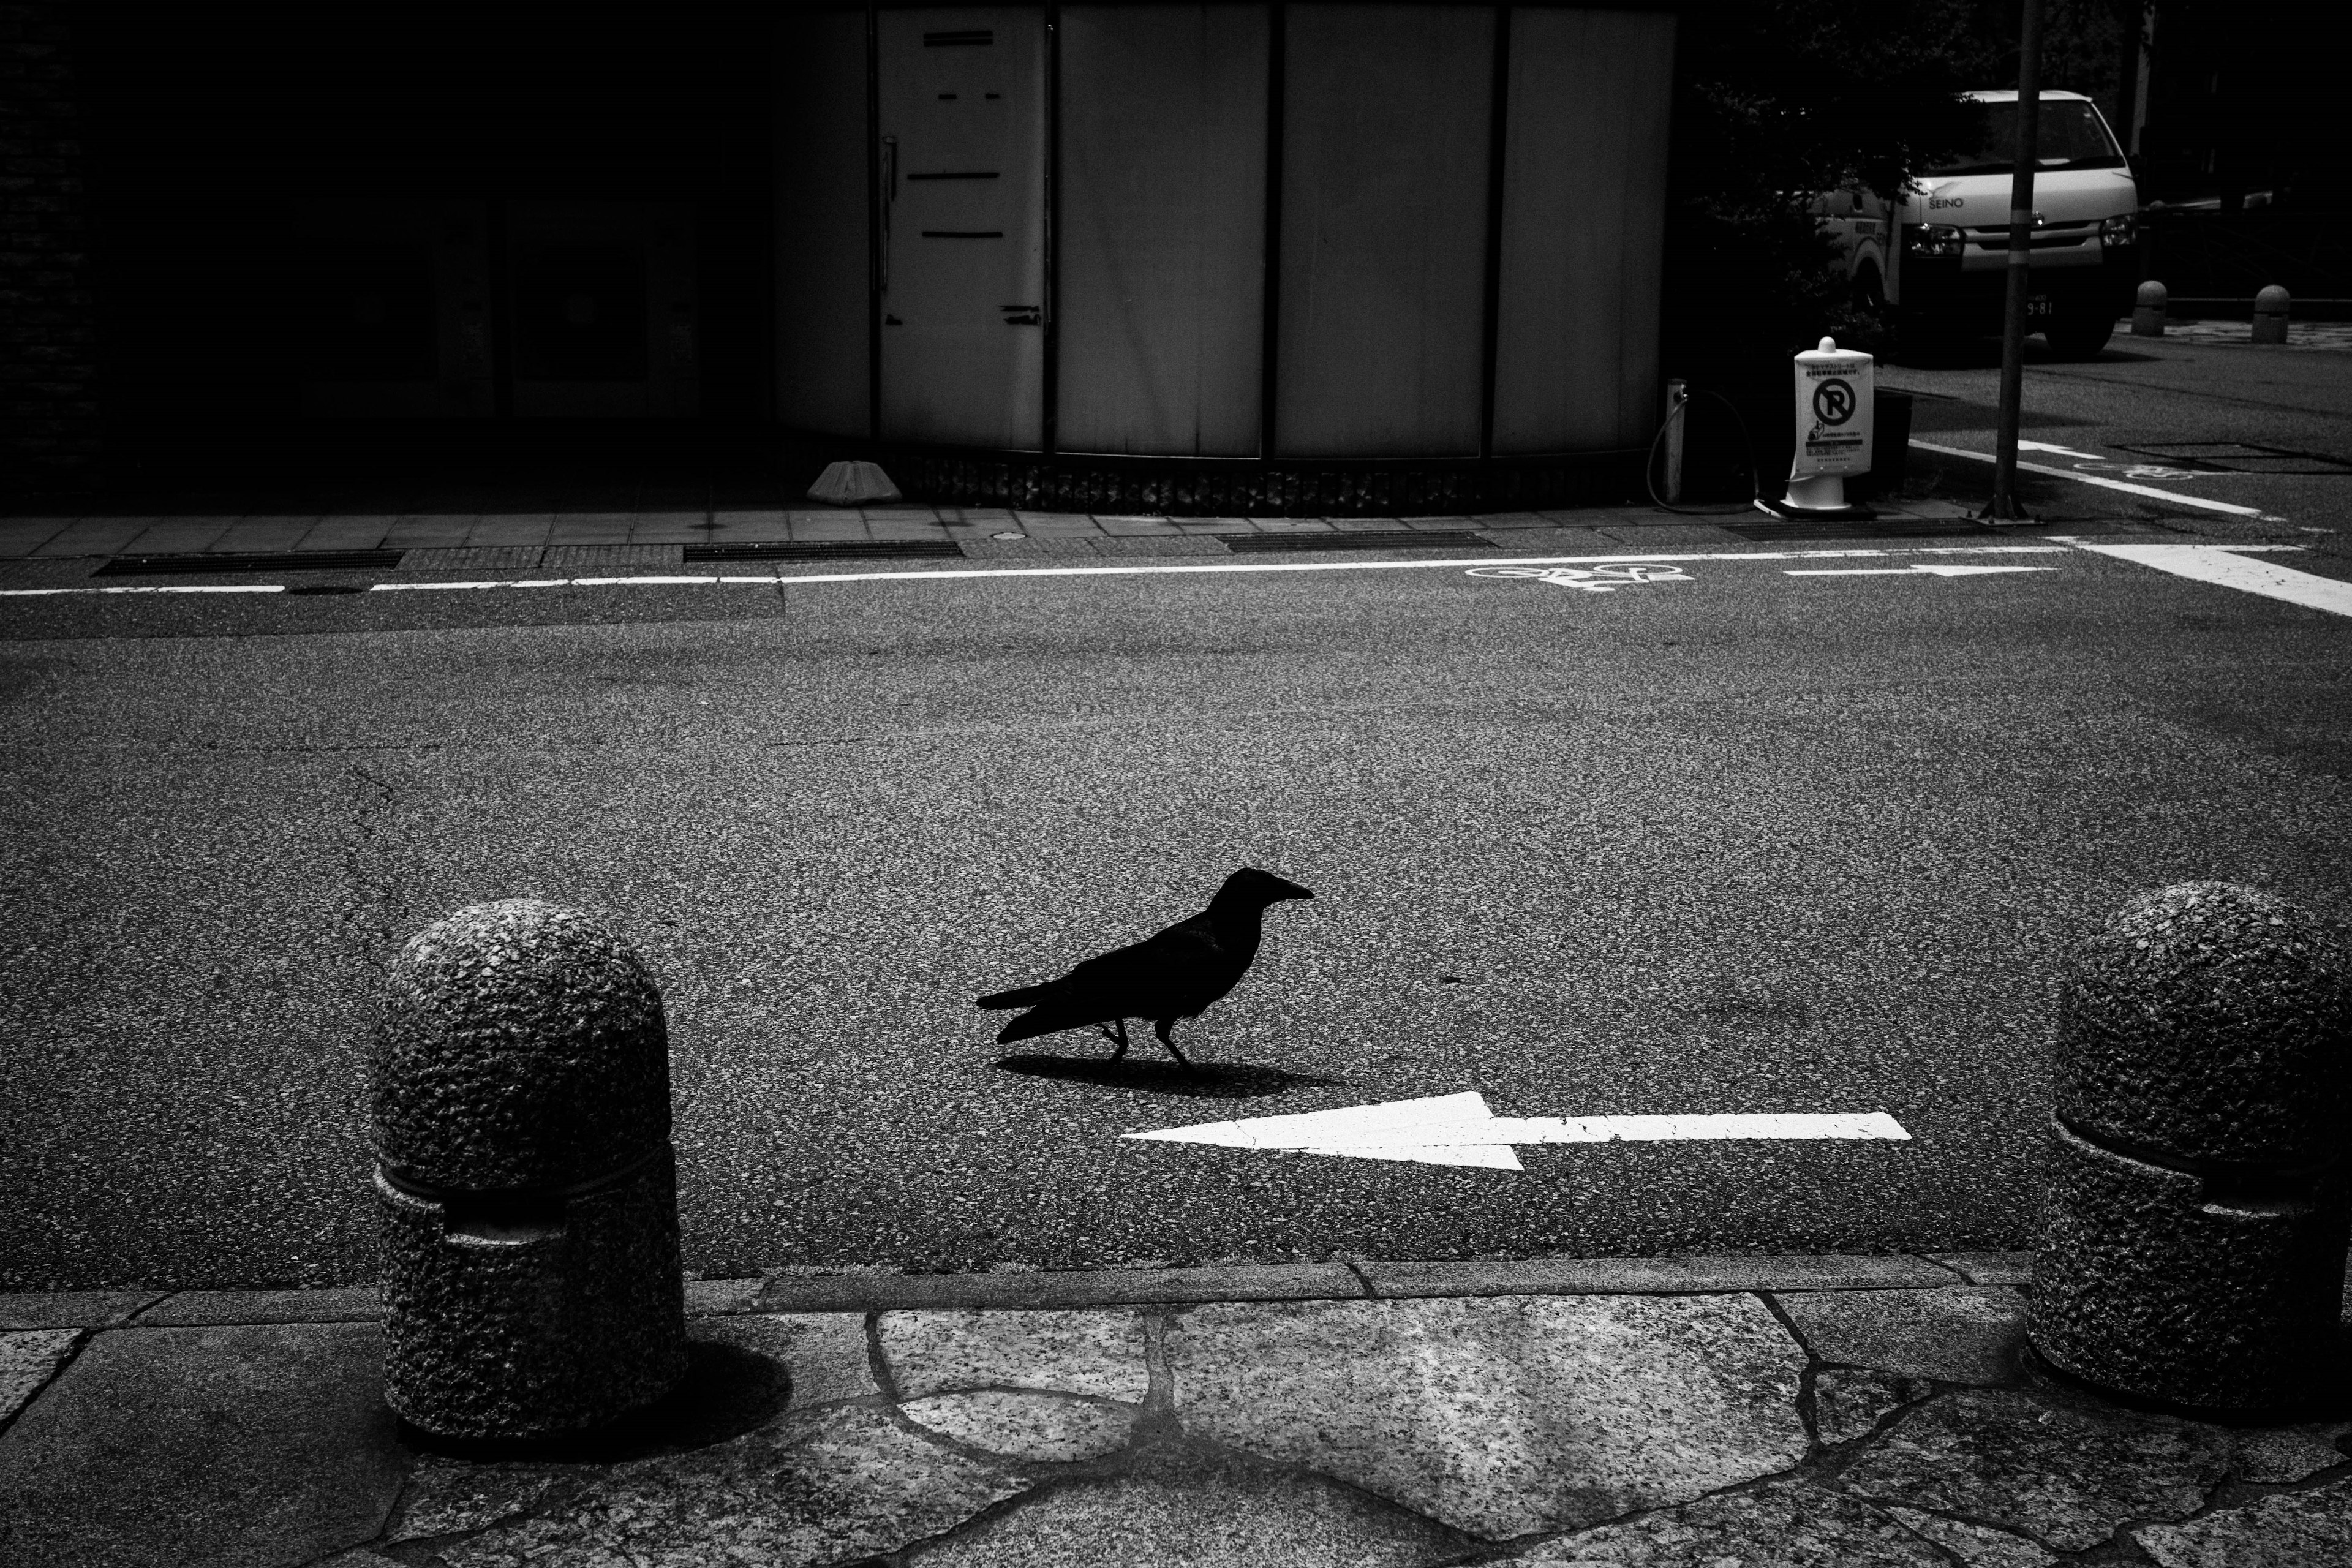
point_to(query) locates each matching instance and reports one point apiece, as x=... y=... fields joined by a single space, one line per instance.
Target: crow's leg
x=1116 y=1030
x=1160 y=1026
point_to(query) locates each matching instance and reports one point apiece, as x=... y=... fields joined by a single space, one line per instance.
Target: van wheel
x=2080 y=334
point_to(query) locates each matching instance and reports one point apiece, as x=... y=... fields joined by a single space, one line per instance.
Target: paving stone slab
x=1038 y=1428
x=1099 y=1353
x=1699 y=1274
x=2287 y=1529
x=2067 y=1475
x=498 y=558
x=2283 y=1454
x=714 y=1297
x=1173 y=542
x=1645 y=535
x=1195 y=1514
x=1990 y=1267
x=1849 y=1403
x=873 y=1290
x=200 y=1447
x=826 y=1488
x=1501 y=1416
x=192 y=1309
x=450 y=1496
x=826 y=1354
x=28 y=1359
x=1785 y=1524
x=563 y=557
x=1959 y=1333
x=1978 y=1545
x=72 y=1308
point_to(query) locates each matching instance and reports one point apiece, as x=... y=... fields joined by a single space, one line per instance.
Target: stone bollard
x=2269 y=315
x=2194 y=1239
x=525 y=1181
x=2147 y=310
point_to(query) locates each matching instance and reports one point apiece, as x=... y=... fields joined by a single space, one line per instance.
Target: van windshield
x=2068 y=134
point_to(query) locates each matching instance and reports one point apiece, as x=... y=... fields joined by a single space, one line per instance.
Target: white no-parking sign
x=1833 y=394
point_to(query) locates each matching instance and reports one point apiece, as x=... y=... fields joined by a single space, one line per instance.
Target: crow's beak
x=1292 y=890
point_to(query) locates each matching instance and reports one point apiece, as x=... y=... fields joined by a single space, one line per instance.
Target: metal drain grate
x=1890 y=528
x=2238 y=457
x=825 y=550
x=1369 y=538
x=223 y=565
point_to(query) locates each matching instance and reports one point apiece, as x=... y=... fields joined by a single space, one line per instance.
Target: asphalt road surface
x=1746 y=841
x=2267 y=428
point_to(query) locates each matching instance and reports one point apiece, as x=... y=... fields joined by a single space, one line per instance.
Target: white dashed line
x=1939 y=571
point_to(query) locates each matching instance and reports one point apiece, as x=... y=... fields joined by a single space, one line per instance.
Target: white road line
x=2081 y=478
x=172 y=588
x=1939 y=571
x=1195 y=569
x=2228 y=566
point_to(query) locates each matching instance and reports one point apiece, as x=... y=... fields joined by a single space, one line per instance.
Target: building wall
x=1455 y=275
x=49 y=326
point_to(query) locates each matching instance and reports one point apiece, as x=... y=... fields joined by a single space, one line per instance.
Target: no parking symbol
x=1833 y=394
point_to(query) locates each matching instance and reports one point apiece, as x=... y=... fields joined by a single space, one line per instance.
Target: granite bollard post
x=2194 y=1239
x=525 y=1182
x=2271 y=307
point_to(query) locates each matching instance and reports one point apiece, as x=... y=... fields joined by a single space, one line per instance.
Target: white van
x=1944 y=273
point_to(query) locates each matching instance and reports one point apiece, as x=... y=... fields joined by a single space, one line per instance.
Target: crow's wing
x=1173 y=974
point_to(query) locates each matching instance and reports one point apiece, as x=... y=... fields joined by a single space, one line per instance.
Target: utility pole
x=2021 y=255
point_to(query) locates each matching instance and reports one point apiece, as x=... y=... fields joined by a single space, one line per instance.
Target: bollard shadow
x=1202 y=1080
x=726 y=1391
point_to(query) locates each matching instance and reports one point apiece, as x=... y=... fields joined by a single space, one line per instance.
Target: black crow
x=1174 y=975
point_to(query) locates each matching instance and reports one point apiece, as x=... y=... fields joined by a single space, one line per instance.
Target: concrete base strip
x=2224 y=565
x=2082 y=478
x=874 y=1289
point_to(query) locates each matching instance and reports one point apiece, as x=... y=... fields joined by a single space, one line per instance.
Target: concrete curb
x=875 y=1290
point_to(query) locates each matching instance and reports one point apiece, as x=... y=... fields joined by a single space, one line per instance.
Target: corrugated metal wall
x=1155 y=241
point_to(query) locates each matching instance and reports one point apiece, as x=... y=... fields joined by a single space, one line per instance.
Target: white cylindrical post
x=1834 y=388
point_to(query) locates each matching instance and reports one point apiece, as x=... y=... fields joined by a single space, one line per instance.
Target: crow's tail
x=1027 y=996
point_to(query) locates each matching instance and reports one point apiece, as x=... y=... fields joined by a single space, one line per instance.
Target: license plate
x=2037 y=308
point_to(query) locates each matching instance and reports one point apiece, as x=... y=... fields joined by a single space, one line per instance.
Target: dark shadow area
x=1953 y=413
x=1203 y=1081
x=726 y=1392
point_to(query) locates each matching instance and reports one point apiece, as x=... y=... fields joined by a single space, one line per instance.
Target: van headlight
x=1932 y=239
x=2123 y=230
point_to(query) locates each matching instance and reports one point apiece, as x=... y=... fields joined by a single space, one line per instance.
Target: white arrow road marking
x=1904 y=571
x=2224 y=565
x=1459 y=1130
x=2082 y=478
x=2025 y=446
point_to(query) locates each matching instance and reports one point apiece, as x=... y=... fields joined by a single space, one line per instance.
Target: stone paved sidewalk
x=1769 y=1412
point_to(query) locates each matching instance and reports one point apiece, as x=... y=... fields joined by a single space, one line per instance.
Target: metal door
x=963 y=117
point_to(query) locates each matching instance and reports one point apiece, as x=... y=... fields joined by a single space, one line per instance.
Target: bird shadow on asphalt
x=1202 y=1080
